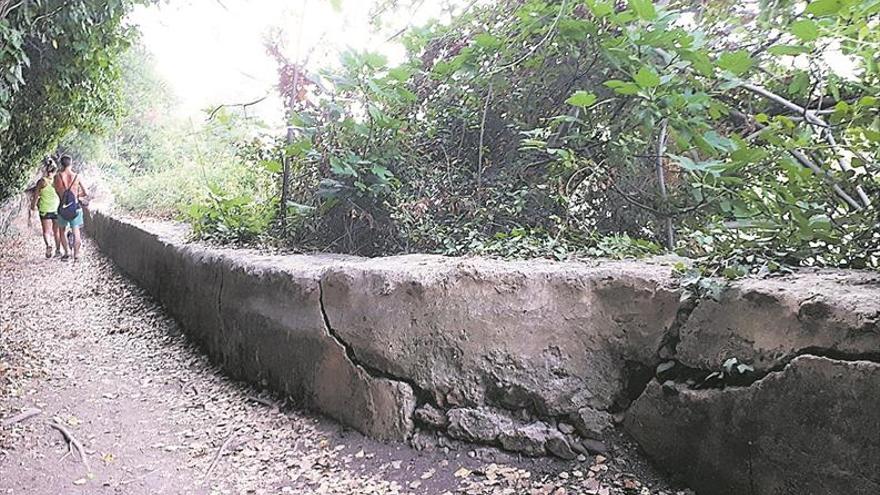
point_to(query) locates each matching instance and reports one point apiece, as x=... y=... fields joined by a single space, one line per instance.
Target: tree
x=541 y=127
x=58 y=69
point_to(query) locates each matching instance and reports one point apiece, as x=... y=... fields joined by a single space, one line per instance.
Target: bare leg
x=77 y=242
x=58 y=235
x=48 y=231
x=48 y=234
x=63 y=239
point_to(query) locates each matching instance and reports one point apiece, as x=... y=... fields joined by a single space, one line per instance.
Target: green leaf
x=700 y=62
x=622 y=87
x=710 y=166
x=719 y=142
x=647 y=78
x=738 y=62
x=374 y=60
x=581 y=99
x=273 y=166
x=805 y=29
x=788 y=50
x=382 y=173
x=871 y=135
x=340 y=167
x=601 y=8
x=401 y=74
x=748 y=155
x=298 y=148
x=486 y=40
x=644 y=9
x=821 y=8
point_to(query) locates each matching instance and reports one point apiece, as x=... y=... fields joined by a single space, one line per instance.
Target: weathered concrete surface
x=812 y=428
x=544 y=339
x=551 y=338
x=537 y=356
x=261 y=319
x=768 y=322
x=14 y=216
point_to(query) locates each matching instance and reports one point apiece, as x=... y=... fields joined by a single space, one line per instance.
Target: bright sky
x=213 y=51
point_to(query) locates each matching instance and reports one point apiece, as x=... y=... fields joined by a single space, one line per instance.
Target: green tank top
x=49 y=200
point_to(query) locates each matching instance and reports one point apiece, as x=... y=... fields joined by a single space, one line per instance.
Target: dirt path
x=153 y=415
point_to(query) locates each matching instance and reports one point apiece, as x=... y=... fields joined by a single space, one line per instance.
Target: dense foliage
x=57 y=73
x=535 y=127
x=160 y=163
x=745 y=134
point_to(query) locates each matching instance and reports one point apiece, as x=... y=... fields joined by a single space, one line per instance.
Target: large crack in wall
x=350 y=352
x=800 y=421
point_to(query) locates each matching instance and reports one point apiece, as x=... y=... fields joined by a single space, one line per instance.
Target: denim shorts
x=76 y=222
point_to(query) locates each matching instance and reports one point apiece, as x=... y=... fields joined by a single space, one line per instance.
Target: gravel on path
x=97 y=356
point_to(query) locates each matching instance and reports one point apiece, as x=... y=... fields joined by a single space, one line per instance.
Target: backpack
x=69 y=203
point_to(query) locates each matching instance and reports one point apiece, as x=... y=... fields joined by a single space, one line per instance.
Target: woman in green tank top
x=45 y=200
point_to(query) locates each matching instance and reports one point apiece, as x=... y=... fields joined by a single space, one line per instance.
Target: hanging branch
x=545 y=39
x=806 y=162
x=812 y=118
x=661 y=179
x=6 y=6
x=482 y=136
x=234 y=105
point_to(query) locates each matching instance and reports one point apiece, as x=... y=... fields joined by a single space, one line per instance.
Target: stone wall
x=14 y=217
x=538 y=357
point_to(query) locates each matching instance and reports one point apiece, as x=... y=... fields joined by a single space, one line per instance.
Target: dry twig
x=18 y=418
x=219 y=453
x=73 y=444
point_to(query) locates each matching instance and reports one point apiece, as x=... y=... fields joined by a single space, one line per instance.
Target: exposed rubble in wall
x=484 y=349
x=704 y=352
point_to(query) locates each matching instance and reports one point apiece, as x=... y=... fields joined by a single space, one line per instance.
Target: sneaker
x=65 y=257
x=57 y=253
x=48 y=252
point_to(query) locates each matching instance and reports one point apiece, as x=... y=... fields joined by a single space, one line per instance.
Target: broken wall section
x=529 y=356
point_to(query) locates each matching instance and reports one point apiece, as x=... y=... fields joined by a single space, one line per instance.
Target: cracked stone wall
x=544 y=358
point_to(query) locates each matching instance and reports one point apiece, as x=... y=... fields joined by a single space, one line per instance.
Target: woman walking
x=44 y=199
x=70 y=190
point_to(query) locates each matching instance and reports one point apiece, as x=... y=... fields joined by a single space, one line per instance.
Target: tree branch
x=233 y=105
x=806 y=162
x=538 y=45
x=661 y=179
x=814 y=119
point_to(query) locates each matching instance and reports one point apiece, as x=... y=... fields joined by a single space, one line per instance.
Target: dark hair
x=66 y=162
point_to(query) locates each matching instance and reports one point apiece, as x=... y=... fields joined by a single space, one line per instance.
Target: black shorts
x=49 y=216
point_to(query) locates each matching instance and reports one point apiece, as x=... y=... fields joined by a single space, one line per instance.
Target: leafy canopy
x=57 y=73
